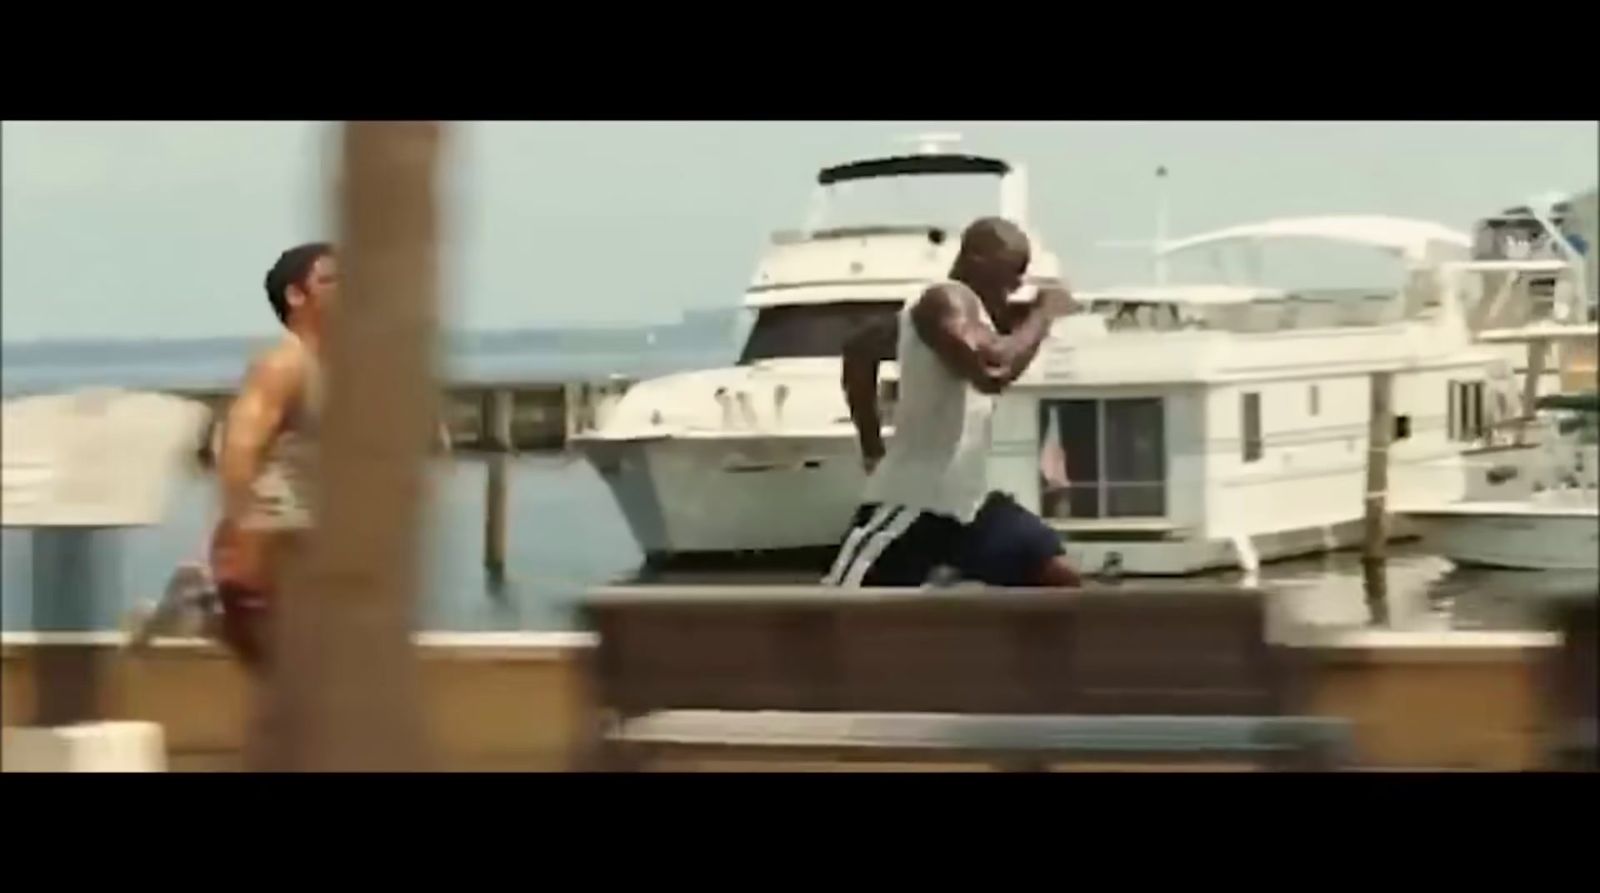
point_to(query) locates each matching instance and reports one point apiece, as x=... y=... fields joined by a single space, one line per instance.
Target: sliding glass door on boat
x=1102 y=458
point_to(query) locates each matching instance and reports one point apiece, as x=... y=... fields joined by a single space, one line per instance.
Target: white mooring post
x=77 y=469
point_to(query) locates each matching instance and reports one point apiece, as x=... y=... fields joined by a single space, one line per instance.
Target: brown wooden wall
x=521 y=705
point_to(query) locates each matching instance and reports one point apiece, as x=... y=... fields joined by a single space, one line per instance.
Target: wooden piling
x=344 y=680
x=1538 y=352
x=1380 y=430
x=572 y=402
x=496 y=439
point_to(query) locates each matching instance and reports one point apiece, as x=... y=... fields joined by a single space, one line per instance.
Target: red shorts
x=245 y=618
x=245 y=592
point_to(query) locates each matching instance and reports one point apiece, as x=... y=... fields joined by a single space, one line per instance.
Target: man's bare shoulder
x=935 y=300
x=942 y=301
x=279 y=367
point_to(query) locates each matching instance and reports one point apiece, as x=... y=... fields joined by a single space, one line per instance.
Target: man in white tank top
x=264 y=463
x=927 y=503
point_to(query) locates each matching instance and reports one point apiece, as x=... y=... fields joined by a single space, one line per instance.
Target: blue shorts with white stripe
x=1005 y=545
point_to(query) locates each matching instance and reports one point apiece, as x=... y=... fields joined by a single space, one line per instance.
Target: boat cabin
x=1183 y=425
x=879 y=232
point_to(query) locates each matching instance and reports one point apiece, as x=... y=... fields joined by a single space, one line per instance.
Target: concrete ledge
x=91 y=747
x=1430 y=646
x=520 y=701
x=521 y=644
x=468 y=640
x=1442 y=640
x=493 y=700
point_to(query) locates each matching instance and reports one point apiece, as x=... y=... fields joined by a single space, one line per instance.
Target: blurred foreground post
x=346 y=689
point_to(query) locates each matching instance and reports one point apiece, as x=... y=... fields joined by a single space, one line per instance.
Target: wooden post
x=345 y=684
x=1380 y=429
x=497 y=442
x=572 y=403
x=1538 y=351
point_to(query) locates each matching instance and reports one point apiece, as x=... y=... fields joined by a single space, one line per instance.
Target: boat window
x=1402 y=427
x=948 y=201
x=1250 y=423
x=810 y=330
x=1511 y=237
x=1103 y=458
x=1143 y=315
x=1466 y=408
x=1583 y=428
x=1136 y=459
x=1314 y=400
x=1331 y=308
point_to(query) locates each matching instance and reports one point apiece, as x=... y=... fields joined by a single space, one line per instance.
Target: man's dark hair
x=292 y=268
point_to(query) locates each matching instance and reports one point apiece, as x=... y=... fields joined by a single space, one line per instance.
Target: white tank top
x=281 y=495
x=937 y=459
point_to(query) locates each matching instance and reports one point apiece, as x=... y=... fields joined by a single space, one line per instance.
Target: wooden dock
x=493 y=419
x=518 y=701
x=543 y=415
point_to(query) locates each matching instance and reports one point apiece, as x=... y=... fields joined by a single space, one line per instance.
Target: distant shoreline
x=695 y=321
x=524 y=355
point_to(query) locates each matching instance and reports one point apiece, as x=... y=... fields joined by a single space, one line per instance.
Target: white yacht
x=1530 y=293
x=1532 y=501
x=762 y=456
x=1555 y=529
x=1168 y=429
x=1179 y=428
x=1554 y=526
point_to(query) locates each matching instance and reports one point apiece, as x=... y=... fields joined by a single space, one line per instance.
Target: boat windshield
x=1578 y=414
x=946 y=201
x=810 y=330
x=1584 y=428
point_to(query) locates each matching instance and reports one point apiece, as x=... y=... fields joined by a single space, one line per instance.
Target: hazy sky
x=166 y=229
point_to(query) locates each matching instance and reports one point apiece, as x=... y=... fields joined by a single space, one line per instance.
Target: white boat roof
x=1404 y=235
x=1556 y=331
x=1520 y=509
x=1539 y=265
x=1184 y=294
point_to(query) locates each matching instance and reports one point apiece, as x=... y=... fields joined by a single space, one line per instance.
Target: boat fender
x=1110 y=571
x=943 y=576
x=1500 y=474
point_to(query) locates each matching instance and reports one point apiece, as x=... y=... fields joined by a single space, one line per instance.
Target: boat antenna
x=1161 y=225
x=1158 y=245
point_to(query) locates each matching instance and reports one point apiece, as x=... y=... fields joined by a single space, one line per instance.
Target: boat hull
x=689 y=496
x=1196 y=555
x=1481 y=536
x=787 y=502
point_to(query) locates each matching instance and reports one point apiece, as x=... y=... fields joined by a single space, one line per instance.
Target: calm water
x=38 y=368
x=567 y=535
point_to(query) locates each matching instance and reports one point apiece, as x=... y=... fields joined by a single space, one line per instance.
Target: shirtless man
x=264 y=461
x=928 y=505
